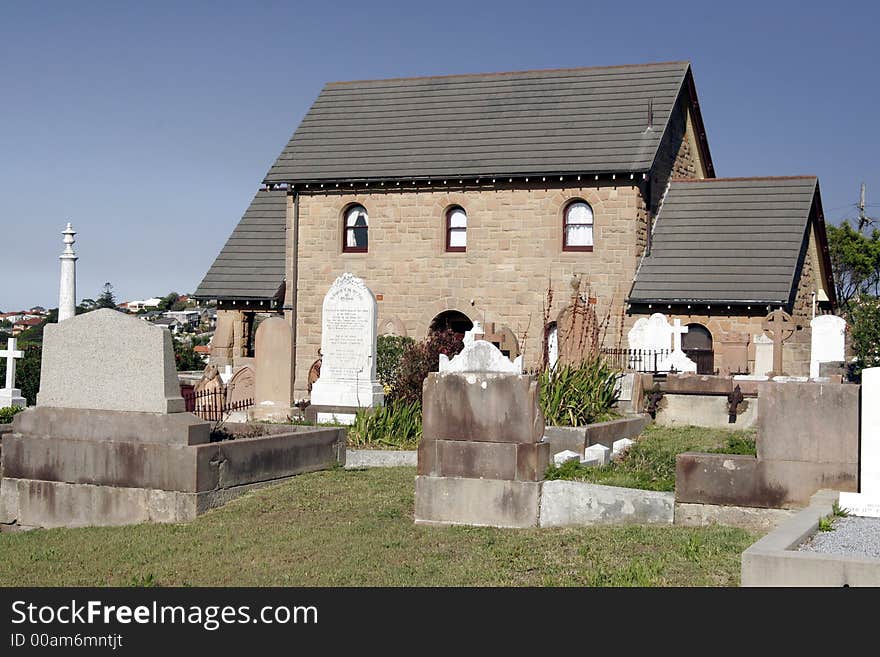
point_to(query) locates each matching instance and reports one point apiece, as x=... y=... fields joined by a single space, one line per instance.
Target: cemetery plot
x=337 y=528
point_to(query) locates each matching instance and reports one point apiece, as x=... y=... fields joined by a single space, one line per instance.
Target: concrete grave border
x=775 y=561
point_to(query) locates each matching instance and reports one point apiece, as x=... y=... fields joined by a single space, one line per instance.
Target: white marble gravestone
x=867 y=501
x=653 y=334
x=480 y=356
x=763 y=355
x=348 y=348
x=10 y=395
x=678 y=360
x=827 y=341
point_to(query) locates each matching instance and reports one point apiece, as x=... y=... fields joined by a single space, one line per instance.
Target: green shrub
x=864 y=317
x=394 y=425
x=8 y=412
x=575 y=395
x=389 y=351
x=418 y=360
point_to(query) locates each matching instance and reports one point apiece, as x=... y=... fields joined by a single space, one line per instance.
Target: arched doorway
x=697 y=344
x=452 y=320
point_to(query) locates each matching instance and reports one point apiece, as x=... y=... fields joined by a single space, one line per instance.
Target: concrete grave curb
x=775 y=561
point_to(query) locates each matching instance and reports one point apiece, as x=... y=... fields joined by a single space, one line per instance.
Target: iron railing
x=647 y=361
x=211 y=405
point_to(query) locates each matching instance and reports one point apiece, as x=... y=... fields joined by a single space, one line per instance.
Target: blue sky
x=150 y=125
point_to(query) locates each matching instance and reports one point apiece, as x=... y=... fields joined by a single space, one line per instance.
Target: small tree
x=168 y=301
x=864 y=317
x=420 y=359
x=106 y=299
x=389 y=351
x=185 y=357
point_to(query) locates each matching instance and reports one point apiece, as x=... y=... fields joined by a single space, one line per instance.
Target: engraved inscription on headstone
x=348 y=348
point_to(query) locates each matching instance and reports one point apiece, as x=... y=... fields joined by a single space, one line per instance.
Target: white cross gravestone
x=827 y=341
x=10 y=395
x=348 y=347
x=678 y=360
x=867 y=501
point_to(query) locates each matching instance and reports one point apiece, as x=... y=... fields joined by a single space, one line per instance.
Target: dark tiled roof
x=251 y=264
x=727 y=239
x=584 y=120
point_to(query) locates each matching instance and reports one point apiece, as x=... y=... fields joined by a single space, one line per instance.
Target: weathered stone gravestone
x=779 y=326
x=209 y=393
x=105 y=443
x=577 y=333
x=481 y=458
x=867 y=501
x=348 y=347
x=241 y=387
x=10 y=395
x=828 y=341
x=105 y=360
x=273 y=376
x=82 y=458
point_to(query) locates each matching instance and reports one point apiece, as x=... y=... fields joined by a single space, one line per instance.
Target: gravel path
x=851 y=535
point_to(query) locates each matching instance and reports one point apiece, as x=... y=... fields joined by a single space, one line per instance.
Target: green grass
x=355 y=527
x=650 y=463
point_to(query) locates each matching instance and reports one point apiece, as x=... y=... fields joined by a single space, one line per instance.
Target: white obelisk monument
x=67 y=296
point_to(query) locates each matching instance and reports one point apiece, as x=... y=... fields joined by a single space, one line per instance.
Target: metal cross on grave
x=677 y=331
x=779 y=327
x=10 y=354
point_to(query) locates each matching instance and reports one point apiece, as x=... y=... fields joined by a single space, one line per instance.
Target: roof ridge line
x=502 y=73
x=732 y=178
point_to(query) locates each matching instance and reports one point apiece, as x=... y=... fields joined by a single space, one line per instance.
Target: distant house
x=204 y=352
x=188 y=319
x=170 y=323
x=24 y=324
x=135 y=306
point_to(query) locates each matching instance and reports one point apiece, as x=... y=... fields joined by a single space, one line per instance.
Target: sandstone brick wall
x=514 y=251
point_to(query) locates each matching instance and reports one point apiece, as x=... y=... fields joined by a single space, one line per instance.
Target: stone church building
x=490 y=197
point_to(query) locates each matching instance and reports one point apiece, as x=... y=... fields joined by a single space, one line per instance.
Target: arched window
x=456 y=229
x=354 y=239
x=577 y=229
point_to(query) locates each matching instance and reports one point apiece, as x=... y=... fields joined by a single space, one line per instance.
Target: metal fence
x=647 y=361
x=211 y=405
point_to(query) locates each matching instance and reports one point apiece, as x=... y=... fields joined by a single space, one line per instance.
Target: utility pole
x=864 y=219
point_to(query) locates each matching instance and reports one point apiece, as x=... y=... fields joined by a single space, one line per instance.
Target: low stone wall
x=775 y=561
x=750 y=518
x=604 y=433
x=380 y=458
x=60 y=482
x=748 y=481
x=578 y=503
x=681 y=410
x=808 y=440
